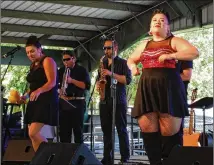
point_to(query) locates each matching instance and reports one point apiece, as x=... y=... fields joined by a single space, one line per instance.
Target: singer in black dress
x=43 y=97
x=160 y=103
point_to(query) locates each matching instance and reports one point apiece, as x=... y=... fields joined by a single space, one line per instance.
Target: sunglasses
x=107 y=47
x=67 y=59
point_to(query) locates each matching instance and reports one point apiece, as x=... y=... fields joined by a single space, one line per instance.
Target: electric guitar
x=190 y=138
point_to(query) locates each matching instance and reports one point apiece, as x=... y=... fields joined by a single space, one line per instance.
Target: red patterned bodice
x=153 y=50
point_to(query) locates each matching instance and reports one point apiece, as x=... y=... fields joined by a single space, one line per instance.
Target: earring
x=169 y=33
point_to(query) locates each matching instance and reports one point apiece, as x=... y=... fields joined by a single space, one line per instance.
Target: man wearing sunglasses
x=123 y=76
x=78 y=81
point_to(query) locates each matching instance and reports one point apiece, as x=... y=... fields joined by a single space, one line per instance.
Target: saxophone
x=102 y=80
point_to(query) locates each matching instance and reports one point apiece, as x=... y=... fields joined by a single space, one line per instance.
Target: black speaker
x=190 y=156
x=64 y=154
x=18 y=152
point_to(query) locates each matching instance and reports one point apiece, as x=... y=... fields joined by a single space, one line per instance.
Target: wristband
x=27 y=96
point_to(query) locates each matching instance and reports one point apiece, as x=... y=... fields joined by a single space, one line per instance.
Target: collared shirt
x=78 y=73
x=181 y=65
x=120 y=68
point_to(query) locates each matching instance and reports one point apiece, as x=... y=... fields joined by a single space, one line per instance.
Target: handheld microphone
x=11 y=52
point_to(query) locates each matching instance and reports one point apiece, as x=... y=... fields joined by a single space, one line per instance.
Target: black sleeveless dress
x=45 y=108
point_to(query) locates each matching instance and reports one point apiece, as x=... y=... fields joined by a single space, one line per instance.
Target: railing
x=136 y=143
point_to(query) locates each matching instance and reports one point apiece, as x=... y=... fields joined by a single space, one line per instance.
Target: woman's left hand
x=164 y=57
x=35 y=94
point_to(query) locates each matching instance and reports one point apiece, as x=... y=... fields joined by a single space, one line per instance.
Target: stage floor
x=133 y=158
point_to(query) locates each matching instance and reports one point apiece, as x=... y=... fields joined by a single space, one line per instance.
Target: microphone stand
x=25 y=130
x=113 y=96
x=91 y=124
x=11 y=58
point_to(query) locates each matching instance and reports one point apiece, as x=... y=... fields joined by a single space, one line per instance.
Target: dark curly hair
x=161 y=11
x=69 y=52
x=115 y=42
x=33 y=41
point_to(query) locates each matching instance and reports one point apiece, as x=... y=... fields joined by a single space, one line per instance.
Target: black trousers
x=72 y=119
x=106 y=110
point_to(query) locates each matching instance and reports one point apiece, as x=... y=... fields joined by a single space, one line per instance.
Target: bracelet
x=27 y=96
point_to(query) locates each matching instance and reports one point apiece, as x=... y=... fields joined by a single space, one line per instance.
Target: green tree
x=15 y=78
x=202 y=77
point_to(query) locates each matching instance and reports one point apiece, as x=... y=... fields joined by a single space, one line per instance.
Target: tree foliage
x=15 y=78
x=202 y=77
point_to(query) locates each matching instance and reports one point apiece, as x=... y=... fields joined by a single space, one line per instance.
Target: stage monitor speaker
x=64 y=154
x=190 y=156
x=18 y=152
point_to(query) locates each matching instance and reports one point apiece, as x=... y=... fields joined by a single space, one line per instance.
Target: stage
x=134 y=159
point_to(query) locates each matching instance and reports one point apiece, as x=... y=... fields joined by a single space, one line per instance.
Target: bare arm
x=185 y=50
x=49 y=66
x=83 y=81
x=77 y=83
x=186 y=75
x=26 y=94
x=24 y=97
x=50 y=72
x=120 y=78
x=134 y=58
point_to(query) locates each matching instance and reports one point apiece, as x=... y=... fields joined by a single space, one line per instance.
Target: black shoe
x=106 y=162
x=123 y=161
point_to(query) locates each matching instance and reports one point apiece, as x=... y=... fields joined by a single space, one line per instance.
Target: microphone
x=103 y=37
x=11 y=52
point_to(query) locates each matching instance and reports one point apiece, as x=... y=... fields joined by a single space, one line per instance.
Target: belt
x=72 y=98
x=75 y=98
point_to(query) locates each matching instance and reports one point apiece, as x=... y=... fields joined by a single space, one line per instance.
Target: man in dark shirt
x=123 y=76
x=77 y=82
x=185 y=70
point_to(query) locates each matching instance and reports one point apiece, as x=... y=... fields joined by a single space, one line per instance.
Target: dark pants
x=72 y=120
x=106 y=110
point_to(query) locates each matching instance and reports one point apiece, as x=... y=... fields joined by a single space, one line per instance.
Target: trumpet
x=64 y=86
x=64 y=82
